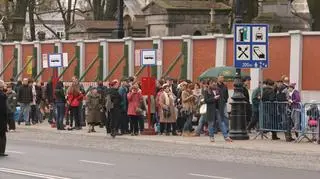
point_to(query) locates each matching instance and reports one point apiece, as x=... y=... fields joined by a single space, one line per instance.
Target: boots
x=274 y=136
x=288 y=137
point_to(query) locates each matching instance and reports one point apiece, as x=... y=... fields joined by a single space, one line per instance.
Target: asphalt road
x=29 y=159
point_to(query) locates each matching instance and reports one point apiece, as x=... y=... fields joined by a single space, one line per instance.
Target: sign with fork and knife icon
x=251 y=46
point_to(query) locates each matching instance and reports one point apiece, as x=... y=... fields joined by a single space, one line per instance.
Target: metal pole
x=239 y=106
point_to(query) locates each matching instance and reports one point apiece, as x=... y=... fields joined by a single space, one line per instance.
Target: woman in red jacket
x=74 y=100
x=134 y=108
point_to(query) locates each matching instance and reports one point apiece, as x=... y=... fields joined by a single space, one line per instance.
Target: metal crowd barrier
x=310 y=123
x=279 y=117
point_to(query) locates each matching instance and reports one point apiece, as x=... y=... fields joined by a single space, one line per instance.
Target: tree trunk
x=314 y=8
x=31 y=20
x=111 y=8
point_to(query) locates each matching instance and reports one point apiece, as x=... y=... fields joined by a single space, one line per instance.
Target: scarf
x=166 y=98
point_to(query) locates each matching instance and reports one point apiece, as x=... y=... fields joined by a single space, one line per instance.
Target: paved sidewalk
x=266 y=145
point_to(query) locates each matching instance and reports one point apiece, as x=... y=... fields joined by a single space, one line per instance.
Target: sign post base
x=148 y=131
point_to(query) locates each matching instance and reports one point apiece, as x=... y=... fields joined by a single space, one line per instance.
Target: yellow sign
x=29 y=66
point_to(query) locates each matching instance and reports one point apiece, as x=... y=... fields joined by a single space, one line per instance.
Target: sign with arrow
x=251 y=46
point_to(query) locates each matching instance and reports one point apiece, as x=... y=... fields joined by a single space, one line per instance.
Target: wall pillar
x=18 y=64
x=189 y=59
x=105 y=58
x=256 y=75
x=296 y=58
x=130 y=61
x=81 y=59
x=38 y=57
x=58 y=46
x=221 y=50
x=158 y=44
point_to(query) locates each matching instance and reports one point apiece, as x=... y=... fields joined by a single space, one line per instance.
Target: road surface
x=30 y=159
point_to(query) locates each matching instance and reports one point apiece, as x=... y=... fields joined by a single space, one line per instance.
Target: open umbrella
x=229 y=73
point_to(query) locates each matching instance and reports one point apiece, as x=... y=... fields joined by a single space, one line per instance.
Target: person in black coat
x=3 y=120
x=115 y=111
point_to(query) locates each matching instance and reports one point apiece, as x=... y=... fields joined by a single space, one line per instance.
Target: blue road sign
x=251 y=46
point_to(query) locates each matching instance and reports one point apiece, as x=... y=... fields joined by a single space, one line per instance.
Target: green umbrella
x=229 y=73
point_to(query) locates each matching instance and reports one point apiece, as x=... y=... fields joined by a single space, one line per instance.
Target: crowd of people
x=120 y=106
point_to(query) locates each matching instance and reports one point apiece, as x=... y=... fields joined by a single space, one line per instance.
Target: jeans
x=224 y=116
x=134 y=124
x=222 y=123
x=39 y=114
x=75 y=115
x=188 y=124
x=25 y=111
x=202 y=121
x=11 y=122
x=60 y=107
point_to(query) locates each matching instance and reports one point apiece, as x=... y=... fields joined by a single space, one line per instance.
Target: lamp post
x=238 y=106
x=119 y=32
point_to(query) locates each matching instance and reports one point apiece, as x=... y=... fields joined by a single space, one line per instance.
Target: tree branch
x=62 y=11
x=46 y=26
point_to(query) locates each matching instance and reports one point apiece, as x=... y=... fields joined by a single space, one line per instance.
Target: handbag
x=203 y=109
x=166 y=113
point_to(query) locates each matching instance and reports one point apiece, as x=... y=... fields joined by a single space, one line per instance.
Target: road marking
x=15 y=152
x=30 y=174
x=94 y=162
x=207 y=176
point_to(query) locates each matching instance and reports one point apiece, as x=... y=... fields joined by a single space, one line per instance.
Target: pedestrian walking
x=11 y=104
x=25 y=98
x=3 y=120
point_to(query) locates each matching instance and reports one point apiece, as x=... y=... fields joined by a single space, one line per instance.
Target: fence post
x=18 y=64
x=187 y=51
x=77 y=67
x=58 y=49
x=221 y=50
x=81 y=59
x=104 y=58
x=129 y=53
x=296 y=49
x=37 y=66
x=157 y=70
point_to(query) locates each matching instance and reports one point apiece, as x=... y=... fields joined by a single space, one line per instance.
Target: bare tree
x=103 y=9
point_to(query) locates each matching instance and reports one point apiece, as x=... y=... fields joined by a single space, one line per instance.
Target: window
x=60 y=34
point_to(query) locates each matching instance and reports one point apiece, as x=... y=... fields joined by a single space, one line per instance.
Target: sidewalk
x=265 y=145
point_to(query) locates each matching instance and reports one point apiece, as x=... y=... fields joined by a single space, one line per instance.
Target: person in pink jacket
x=134 y=108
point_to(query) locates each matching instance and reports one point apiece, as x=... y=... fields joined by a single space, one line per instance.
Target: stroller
x=313 y=116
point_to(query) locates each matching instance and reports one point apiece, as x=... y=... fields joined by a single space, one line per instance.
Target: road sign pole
x=238 y=106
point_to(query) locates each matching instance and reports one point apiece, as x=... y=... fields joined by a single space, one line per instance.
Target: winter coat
x=3 y=113
x=162 y=101
x=60 y=96
x=75 y=100
x=255 y=99
x=134 y=102
x=188 y=103
x=12 y=102
x=123 y=91
x=94 y=107
x=209 y=99
x=25 y=95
